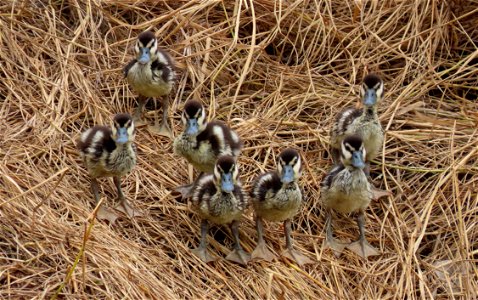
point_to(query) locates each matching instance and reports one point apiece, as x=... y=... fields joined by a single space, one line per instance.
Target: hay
x=278 y=72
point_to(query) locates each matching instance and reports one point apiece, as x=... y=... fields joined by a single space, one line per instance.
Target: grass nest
x=278 y=72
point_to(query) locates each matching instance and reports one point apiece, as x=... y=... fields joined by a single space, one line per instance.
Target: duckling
x=219 y=198
x=346 y=189
x=151 y=74
x=202 y=142
x=363 y=122
x=276 y=196
x=110 y=152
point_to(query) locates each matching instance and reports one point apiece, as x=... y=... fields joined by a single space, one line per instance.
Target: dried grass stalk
x=278 y=72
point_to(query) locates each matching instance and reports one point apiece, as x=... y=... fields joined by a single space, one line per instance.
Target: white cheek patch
x=297 y=166
x=217 y=173
x=279 y=167
x=136 y=47
x=130 y=131
x=151 y=43
x=202 y=119
x=364 y=153
x=114 y=131
x=346 y=153
x=379 y=91
x=235 y=173
x=184 y=119
x=362 y=90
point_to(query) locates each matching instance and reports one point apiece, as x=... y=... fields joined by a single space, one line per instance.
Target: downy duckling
x=276 y=196
x=346 y=189
x=151 y=74
x=202 y=142
x=110 y=152
x=219 y=198
x=363 y=122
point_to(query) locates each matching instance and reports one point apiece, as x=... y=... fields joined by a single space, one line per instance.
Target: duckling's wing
x=203 y=189
x=344 y=119
x=95 y=141
x=266 y=185
x=128 y=67
x=162 y=67
x=329 y=178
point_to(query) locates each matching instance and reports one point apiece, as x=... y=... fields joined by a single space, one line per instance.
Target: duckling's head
x=353 y=152
x=371 y=90
x=289 y=165
x=193 y=117
x=225 y=173
x=123 y=130
x=146 y=47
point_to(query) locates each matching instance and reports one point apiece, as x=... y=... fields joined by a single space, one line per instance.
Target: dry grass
x=278 y=72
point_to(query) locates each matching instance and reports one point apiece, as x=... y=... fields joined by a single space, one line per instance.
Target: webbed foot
x=161 y=130
x=337 y=247
x=261 y=252
x=203 y=255
x=185 y=190
x=239 y=256
x=363 y=248
x=126 y=208
x=298 y=257
x=107 y=214
x=378 y=193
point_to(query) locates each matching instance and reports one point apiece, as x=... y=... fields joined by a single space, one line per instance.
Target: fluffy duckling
x=110 y=152
x=151 y=74
x=346 y=189
x=202 y=142
x=363 y=122
x=219 y=198
x=276 y=197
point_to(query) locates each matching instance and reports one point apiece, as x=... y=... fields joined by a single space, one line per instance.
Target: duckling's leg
x=376 y=193
x=290 y=252
x=103 y=213
x=124 y=205
x=362 y=246
x=261 y=250
x=201 y=251
x=164 y=129
x=137 y=117
x=330 y=242
x=238 y=255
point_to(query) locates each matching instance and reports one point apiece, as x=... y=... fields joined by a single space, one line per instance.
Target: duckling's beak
x=357 y=160
x=192 y=126
x=226 y=183
x=370 y=97
x=287 y=174
x=121 y=135
x=145 y=56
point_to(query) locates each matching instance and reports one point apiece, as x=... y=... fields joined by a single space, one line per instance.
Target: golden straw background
x=278 y=72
